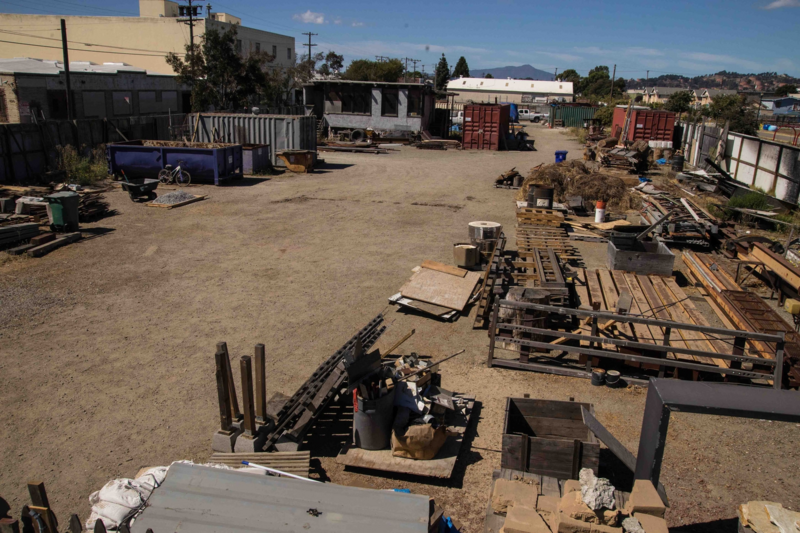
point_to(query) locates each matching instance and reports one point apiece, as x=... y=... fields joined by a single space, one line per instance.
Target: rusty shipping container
x=485 y=126
x=646 y=124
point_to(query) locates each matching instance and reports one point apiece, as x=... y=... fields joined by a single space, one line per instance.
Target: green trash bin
x=63 y=210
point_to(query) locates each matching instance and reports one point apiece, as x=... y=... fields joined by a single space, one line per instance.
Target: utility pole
x=613 y=76
x=189 y=11
x=70 y=114
x=555 y=73
x=309 y=44
x=380 y=59
x=415 y=61
x=648 y=77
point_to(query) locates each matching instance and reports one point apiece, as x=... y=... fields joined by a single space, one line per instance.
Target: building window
x=389 y=102
x=239 y=45
x=122 y=102
x=274 y=51
x=289 y=53
x=415 y=102
x=349 y=99
x=258 y=47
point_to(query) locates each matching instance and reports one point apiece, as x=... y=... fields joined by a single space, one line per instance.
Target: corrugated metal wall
x=281 y=132
x=573 y=116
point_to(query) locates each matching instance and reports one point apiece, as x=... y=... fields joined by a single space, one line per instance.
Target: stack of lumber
x=652 y=297
x=528 y=216
x=746 y=311
x=17 y=233
x=511 y=179
x=438 y=290
x=290 y=462
x=92 y=205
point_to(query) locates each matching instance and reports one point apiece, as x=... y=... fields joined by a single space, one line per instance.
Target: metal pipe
x=643 y=234
x=648 y=321
x=279 y=472
x=431 y=366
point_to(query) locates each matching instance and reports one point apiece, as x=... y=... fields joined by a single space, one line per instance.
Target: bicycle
x=176 y=175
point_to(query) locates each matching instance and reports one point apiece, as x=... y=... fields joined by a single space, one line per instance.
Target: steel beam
x=667 y=395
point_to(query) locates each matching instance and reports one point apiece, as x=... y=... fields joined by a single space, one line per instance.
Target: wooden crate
x=548 y=438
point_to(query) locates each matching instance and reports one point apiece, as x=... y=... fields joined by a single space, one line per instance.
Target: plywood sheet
x=442 y=289
x=447 y=269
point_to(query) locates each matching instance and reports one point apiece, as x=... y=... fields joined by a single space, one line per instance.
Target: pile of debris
x=587 y=505
x=573 y=178
x=767 y=517
x=92 y=206
x=511 y=179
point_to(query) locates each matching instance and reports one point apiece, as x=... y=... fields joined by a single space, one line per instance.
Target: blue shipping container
x=256 y=158
x=205 y=162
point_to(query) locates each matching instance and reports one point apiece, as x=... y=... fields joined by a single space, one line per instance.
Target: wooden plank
x=582 y=290
x=657 y=307
x=612 y=298
x=693 y=339
x=179 y=204
x=642 y=331
x=442 y=289
x=296 y=463
x=553 y=457
x=595 y=291
x=643 y=306
x=447 y=269
x=780 y=266
x=550 y=487
x=52 y=245
x=697 y=317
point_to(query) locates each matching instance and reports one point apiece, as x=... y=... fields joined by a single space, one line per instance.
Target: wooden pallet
x=290 y=462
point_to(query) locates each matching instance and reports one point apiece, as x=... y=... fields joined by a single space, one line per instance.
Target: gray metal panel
x=281 y=132
x=204 y=500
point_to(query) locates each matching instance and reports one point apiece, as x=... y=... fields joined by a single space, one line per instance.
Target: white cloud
x=594 y=50
x=337 y=20
x=639 y=51
x=777 y=4
x=357 y=24
x=309 y=17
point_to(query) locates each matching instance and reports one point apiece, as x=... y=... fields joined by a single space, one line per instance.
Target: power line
x=85 y=50
x=309 y=44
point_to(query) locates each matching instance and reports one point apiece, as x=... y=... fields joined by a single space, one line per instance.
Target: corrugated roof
x=380 y=83
x=203 y=500
x=27 y=65
x=511 y=86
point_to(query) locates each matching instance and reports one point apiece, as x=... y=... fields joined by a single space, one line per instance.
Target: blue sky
x=680 y=37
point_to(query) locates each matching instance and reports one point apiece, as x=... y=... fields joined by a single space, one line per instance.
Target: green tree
x=569 y=75
x=605 y=115
x=597 y=85
x=488 y=76
x=680 y=102
x=442 y=74
x=786 y=90
x=334 y=61
x=218 y=73
x=366 y=70
x=734 y=109
x=461 y=68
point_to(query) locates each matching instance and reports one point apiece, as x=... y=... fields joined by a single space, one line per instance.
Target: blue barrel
x=561 y=155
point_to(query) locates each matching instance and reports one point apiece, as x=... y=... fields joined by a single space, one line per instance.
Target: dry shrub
x=572 y=178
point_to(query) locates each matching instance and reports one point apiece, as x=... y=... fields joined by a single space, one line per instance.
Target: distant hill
x=518 y=73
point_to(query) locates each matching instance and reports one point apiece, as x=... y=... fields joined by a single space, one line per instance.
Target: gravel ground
x=174 y=197
x=107 y=345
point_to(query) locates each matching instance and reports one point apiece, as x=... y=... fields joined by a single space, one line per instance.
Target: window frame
x=393 y=93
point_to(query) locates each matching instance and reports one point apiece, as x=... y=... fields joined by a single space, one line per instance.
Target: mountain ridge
x=520 y=72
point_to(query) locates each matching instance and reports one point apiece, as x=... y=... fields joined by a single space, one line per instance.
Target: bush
x=751 y=200
x=83 y=170
x=605 y=115
x=580 y=134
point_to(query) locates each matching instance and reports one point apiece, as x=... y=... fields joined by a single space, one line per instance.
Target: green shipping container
x=573 y=116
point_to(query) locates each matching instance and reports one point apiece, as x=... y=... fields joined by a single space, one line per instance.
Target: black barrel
x=598 y=377
x=677 y=163
x=613 y=379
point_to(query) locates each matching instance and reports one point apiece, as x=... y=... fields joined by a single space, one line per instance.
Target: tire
x=536 y=120
x=358 y=135
x=164 y=176
x=184 y=178
x=151 y=196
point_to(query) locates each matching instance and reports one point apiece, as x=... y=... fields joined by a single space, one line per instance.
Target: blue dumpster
x=561 y=155
x=205 y=162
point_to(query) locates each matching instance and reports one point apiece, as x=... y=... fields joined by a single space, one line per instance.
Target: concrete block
x=508 y=493
x=569 y=525
x=572 y=506
x=652 y=524
x=614 y=518
x=645 y=499
x=571 y=485
x=597 y=492
x=245 y=444
x=224 y=441
x=524 y=520
x=547 y=504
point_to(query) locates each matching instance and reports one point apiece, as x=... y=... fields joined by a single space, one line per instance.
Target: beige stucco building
x=141 y=41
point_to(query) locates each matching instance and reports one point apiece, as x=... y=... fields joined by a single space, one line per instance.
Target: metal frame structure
x=667 y=395
x=651 y=353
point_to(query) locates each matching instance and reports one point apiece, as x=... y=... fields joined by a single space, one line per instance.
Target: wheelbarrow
x=140 y=190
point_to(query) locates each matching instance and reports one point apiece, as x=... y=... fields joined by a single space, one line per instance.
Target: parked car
x=457 y=118
x=533 y=116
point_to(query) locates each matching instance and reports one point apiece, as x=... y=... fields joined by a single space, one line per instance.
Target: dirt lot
x=106 y=346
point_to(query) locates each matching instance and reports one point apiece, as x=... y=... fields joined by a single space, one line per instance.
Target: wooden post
x=41 y=505
x=245 y=365
x=234 y=403
x=99 y=526
x=492 y=333
x=577 y=453
x=75 y=525
x=261 y=385
x=222 y=391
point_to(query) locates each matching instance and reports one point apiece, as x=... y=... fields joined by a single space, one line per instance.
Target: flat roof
x=29 y=65
x=499 y=85
x=356 y=82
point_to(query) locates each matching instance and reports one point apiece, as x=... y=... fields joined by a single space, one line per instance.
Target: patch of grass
x=751 y=200
x=579 y=133
x=84 y=171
